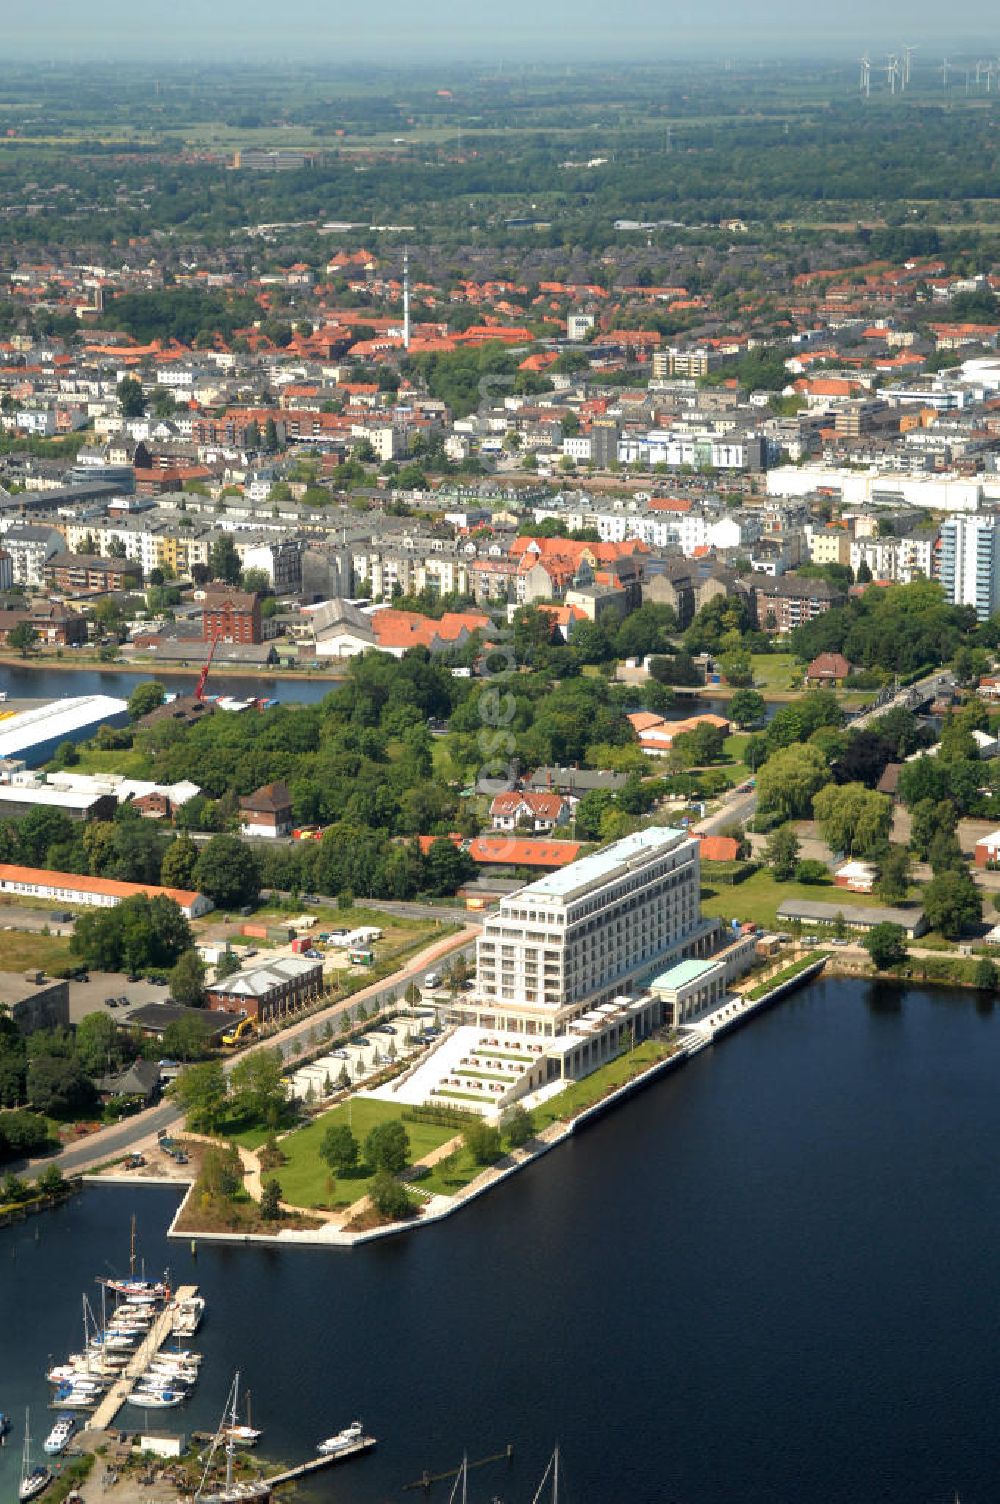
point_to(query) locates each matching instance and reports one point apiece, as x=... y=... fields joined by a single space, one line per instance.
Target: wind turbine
x=945 y=73
x=865 y=84
x=892 y=71
x=907 y=65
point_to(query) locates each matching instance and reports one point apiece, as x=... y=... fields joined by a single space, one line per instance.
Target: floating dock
x=161 y=1329
x=315 y=1464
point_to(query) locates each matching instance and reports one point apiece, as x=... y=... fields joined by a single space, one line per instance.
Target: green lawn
x=304 y=1179
x=24 y=950
x=583 y=1094
x=452 y=1174
x=776 y=672
x=128 y=762
x=756 y=900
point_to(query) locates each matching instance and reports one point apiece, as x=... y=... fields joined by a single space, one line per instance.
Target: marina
x=123 y=1387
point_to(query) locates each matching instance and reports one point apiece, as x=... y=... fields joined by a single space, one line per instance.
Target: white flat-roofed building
x=588 y=934
x=35 y=734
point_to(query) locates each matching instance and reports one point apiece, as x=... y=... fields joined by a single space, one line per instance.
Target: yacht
x=343 y=1439
x=242 y=1436
x=58 y=1438
x=156 y=1399
x=189 y=1315
x=33 y=1479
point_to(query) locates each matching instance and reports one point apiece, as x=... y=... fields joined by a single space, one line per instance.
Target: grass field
x=756 y=900
x=129 y=763
x=776 y=672
x=24 y=951
x=305 y=1179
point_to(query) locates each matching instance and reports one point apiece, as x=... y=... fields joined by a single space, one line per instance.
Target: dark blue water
x=772 y=1277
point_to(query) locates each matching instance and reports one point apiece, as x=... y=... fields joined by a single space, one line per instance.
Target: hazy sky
x=570 y=30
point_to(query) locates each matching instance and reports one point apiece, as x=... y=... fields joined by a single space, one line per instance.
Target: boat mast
x=555 y=1475
x=26 y=1454
x=230 y=1439
x=131 y=1255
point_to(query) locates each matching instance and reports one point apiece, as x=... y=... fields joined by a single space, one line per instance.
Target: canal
x=772 y=1276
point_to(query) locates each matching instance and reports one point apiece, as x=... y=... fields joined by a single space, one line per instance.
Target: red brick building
x=232 y=616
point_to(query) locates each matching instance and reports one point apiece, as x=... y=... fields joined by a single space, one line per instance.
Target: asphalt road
x=737 y=810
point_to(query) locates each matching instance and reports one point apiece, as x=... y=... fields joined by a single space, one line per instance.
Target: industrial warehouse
x=33 y=735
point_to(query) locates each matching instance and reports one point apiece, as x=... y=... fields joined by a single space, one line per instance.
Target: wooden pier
x=144 y=1354
x=315 y=1464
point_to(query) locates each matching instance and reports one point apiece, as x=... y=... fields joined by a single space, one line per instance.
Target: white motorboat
x=156 y=1399
x=58 y=1438
x=349 y=1437
x=188 y=1316
x=33 y=1479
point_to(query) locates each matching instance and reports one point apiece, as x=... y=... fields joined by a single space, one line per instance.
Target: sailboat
x=244 y=1436
x=33 y=1479
x=232 y=1492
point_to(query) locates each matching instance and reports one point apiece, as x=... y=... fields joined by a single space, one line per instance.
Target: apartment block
x=970 y=562
x=591 y=932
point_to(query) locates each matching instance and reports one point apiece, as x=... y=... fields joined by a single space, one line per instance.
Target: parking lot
x=89 y=997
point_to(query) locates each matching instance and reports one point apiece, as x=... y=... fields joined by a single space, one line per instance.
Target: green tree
x=782 y=852
x=518 y=1126
x=59 y=1087
x=187 y=980
x=184 y=1039
x=928 y=818
x=131 y=402
x=178 y=863
x=339 y=1149
x=737 y=668
x=886 y=945
x=200 y=1092
x=98 y=1044
x=270 y=1200
x=945 y=853
x=144 y=698
x=893 y=881
x=483 y=1142
x=853 y=819
x=227 y=872
x=257 y=1087
x=224 y=561
x=22 y=637
x=746 y=707
x=227 y=965
x=387 y=1146
x=790 y=779
x=952 y=903
x=389 y=1198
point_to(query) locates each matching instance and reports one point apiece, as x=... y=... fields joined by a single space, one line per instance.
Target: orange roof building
x=95 y=892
